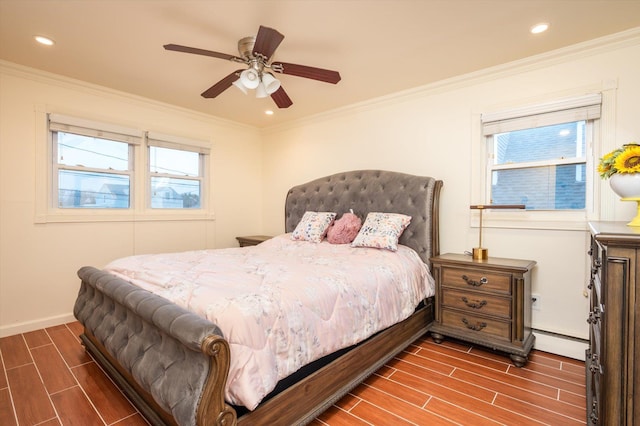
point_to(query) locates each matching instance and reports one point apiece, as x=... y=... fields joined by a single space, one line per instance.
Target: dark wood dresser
x=613 y=357
x=486 y=302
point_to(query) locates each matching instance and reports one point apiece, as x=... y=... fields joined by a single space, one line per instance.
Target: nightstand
x=485 y=302
x=252 y=240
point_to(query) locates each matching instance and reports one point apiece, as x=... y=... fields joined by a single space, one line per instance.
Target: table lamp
x=481 y=253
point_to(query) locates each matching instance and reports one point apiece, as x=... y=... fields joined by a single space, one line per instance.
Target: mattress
x=283 y=304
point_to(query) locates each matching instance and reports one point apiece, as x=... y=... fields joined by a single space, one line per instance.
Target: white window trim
x=603 y=134
x=46 y=212
x=176 y=142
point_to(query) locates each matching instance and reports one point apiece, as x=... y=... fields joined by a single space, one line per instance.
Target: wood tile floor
x=46 y=378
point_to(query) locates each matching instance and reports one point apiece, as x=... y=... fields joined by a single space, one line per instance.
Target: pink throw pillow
x=345 y=229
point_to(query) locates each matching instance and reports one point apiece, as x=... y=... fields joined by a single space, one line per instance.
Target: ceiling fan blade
x=267 y=41
x=281 y=98
x=320 y=74
x=222 y=85
x=187 y=49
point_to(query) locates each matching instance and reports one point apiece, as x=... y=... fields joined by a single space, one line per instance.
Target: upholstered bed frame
x=173 y=364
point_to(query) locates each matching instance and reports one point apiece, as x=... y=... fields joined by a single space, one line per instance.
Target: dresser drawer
x=477 y=302
x=477 y=324
x=476 y=279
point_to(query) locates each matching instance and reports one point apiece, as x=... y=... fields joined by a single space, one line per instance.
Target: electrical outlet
x=535 y=302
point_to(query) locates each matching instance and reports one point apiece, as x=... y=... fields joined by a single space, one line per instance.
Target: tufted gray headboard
x=367 y=191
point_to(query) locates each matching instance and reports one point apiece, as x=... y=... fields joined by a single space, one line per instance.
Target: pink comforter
x=283 y=304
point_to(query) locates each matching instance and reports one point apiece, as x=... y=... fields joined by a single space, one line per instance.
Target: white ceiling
x=378 y=46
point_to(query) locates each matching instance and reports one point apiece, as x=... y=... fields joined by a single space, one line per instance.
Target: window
x=92 y=167
x=176 y=172
x=539 y=157
x=92 y=171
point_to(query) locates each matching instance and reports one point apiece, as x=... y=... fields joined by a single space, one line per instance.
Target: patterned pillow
x=313 y=226
x=382 y=230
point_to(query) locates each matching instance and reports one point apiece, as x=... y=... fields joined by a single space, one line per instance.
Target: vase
x=625 y=185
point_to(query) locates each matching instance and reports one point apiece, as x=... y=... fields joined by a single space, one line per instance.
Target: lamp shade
x=271 y=84
x=250 y=78
x=240 y=86
x=261 y=91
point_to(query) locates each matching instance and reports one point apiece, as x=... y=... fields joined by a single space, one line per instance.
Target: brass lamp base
x=480 y=253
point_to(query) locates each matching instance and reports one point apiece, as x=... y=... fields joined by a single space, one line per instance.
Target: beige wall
x=38 y=262
x=432 y=131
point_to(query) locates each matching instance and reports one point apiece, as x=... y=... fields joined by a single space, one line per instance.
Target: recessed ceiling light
x=44 y=40
x=268 y=112
x=539 y=28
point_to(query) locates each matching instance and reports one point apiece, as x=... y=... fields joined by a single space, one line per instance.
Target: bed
x=174 y=364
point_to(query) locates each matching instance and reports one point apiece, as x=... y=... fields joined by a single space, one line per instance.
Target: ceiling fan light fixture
x=271 y=84
x=261 y=91
x=250 y=78
x=240 y=86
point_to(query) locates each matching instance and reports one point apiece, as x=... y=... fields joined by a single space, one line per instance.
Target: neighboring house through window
x=539 y=156
x=100 y=166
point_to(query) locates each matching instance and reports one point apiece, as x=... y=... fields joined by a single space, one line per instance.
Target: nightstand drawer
x=476 y=279
x=479 y=302
x=477 y=324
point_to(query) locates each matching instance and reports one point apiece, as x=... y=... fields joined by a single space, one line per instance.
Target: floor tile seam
x=124 y=418
x=446 y=402
x=536 y=373
x=13 y=404
x=470 y=351
x=430 y=370
x=75 y=379
x=104 y=423
x=391 y=412
x=582 y=394
x=66 y=363
x=349 y=411
x=39 y=346
x=578 y=376
x=48 y=420
x=426 y=379
x=82 y=389
x=46 y=391
x=559 y=413
x=401 y=399
x=507 y=364
x=503 y=384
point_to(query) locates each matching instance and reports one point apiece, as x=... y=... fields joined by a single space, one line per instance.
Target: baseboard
x=559 y=344
x=25 y=327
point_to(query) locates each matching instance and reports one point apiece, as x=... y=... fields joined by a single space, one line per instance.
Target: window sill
x=533 y=219
x=118 y=216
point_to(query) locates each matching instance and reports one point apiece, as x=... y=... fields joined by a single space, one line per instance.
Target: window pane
x=77 y=189
x=540 y=144
x=541 y=188
x=174 y=161
x=86 y=151
x=170 y=193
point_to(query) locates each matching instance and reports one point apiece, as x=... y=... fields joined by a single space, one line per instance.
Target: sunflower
x=628 y=161
x=620 y=160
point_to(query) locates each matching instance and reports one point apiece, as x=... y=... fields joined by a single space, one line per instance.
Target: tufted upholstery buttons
x=367 y=191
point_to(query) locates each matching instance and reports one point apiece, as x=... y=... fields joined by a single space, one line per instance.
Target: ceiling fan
x=256 y=52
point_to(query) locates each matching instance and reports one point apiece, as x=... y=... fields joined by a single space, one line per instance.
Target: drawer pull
x=594 y=365
x=594 y=316
x=593 y=417
x=474 y=283
x=475 y=327
x=475 y=305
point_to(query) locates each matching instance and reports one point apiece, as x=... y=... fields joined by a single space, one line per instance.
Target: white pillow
x=313 y=226
x=381 y=230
